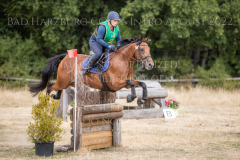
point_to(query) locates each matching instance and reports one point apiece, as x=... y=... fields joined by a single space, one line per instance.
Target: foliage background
x=205 y=43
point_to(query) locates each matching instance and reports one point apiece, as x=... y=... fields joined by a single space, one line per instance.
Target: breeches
x=96 y=48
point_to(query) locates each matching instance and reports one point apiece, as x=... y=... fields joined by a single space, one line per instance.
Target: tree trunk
x=165 y=53
x=205 y=54
x=196 y=57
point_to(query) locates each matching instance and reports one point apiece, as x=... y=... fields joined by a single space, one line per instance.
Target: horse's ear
x=141 y=38
x=147 y=39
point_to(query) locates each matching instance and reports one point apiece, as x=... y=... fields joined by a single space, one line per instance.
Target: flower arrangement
x=172 y=103
x=70 y=106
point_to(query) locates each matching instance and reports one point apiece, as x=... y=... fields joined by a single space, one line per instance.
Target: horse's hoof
x=53 y=96
x=129 y=98
x=140 y=101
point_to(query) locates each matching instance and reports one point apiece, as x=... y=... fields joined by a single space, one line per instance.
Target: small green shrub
x=46 y=126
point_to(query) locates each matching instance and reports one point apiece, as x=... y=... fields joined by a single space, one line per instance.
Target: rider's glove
x=111 y=47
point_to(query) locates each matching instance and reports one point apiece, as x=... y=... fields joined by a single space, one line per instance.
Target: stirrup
x=84 y=71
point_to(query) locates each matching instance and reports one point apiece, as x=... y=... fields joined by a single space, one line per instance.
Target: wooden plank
x=97 y=134
x=92 y=141
x=117 y=132
x=98 y=122
x=102 y=108
x=78 y=127
x=101 y=116
x=152 y=92
x=99 y=146
x=143 y=113
x=98 y=128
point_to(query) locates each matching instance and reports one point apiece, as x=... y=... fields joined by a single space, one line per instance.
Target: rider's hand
x=112 y=47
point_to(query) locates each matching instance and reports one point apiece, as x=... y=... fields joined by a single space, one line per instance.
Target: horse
x=119 y=74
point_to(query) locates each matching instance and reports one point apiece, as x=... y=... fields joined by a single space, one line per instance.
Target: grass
x=208 y=127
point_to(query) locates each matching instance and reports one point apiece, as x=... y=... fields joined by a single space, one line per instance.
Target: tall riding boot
x=89 y=65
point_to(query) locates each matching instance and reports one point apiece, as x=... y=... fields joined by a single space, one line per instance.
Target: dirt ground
x=208 y=127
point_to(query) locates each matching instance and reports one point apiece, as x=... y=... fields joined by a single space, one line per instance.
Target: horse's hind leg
x=58 y=95
x=57 y=87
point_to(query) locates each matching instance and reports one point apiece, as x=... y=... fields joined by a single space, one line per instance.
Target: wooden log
x=152 y=92
x=149 y=103
x=143 y=113
x=102 y=116
x=99 y=146
x=117 y=133
x=97 y=134
x=71 y=117
x=102 y=108
x=71 y=125
x=61 y=149
x=92 y=141
x=98 y=128
x=94 y=123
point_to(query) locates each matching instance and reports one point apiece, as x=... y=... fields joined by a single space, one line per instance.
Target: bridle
x=137 y=51
x=139 y=54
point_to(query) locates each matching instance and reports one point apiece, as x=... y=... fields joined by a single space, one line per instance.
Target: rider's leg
x=97 y=51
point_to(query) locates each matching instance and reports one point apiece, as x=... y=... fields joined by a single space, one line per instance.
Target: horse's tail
x=52 y=65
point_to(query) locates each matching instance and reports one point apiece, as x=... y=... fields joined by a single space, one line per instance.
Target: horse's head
x=142 y=53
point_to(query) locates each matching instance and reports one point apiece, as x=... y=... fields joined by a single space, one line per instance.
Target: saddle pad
x=95 y=69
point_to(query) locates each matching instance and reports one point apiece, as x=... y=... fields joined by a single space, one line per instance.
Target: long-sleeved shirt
x=101 y=34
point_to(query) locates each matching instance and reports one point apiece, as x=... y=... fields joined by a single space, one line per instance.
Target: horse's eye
x=142 y=49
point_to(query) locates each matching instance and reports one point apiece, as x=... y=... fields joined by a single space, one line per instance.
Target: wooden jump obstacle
x=98 y=122
x=150 y=109
x=98 y=127
x=156 y=97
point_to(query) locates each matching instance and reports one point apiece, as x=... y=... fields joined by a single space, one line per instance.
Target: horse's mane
x=125 y=41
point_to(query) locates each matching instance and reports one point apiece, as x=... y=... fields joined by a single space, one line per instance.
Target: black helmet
x=113 y=15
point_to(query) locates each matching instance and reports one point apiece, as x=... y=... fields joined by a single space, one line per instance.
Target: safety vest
x=109 y=36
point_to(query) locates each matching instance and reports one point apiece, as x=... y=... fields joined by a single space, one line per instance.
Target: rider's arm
x=100 y=36
x=118 y=38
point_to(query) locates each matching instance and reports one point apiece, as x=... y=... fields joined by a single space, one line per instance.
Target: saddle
x=102 y=60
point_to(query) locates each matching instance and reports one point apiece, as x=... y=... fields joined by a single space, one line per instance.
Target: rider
x=102 y=39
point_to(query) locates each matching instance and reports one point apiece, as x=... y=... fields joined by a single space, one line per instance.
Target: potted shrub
x=45 y=129
x=172 y=103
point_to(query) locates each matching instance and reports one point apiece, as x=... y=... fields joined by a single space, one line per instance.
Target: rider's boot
x=90 y=63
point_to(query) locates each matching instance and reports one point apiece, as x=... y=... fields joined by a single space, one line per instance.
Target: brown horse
x=118 y=75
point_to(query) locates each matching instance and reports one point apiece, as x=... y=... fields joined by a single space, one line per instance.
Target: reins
x=136 y=51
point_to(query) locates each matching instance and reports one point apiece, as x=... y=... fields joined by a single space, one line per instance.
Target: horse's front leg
x=127 y=84
x=144 y=97
x=133 y=95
